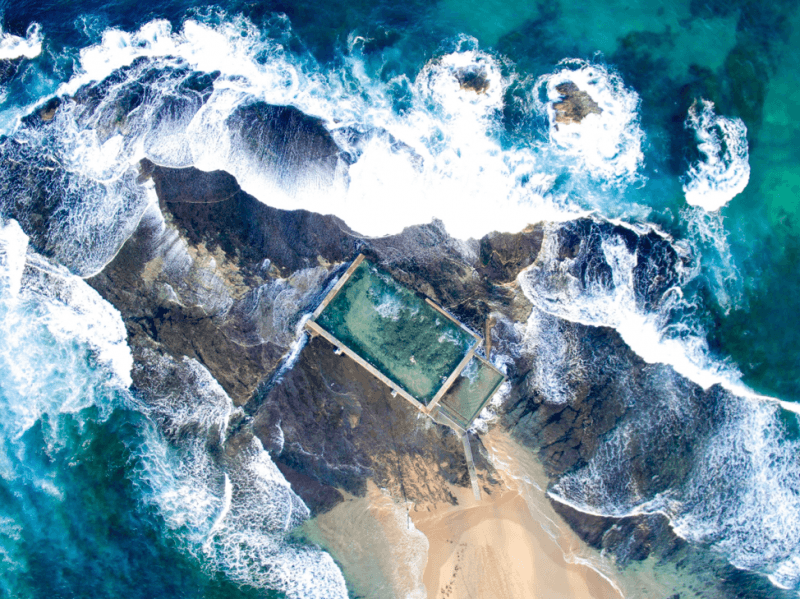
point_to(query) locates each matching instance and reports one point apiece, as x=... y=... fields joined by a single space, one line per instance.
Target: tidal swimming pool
x=400 y=333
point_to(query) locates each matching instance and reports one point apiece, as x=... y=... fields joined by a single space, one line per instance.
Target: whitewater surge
x=13 y=46
x=443 y=159
x=739 y=495
x=608 y=144
x=724 y=170
x=735 y=485
x=48 y=301
x=64 y=350
x=553 y=286
x=233 y=508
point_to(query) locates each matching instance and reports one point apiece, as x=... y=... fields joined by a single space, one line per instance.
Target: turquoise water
x=77 y=476
x=75 y=518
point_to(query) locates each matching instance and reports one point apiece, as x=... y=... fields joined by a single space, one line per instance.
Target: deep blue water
x=76 y=502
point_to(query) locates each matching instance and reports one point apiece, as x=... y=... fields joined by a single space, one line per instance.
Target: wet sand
x=509 y=545
x=496 y=549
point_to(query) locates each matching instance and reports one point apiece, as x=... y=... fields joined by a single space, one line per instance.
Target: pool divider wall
x=332 y=293
x=453 y=375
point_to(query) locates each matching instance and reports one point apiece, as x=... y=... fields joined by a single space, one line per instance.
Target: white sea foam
x=232 y=513
x=13 y=46
x=724 y=171
x=551 y=288
x=13 y=246
x=89 y=185
x=608 y=144
x=438 y=160
x=555 y=365
x=743 y=496
x=709 y=236
x=62 y=346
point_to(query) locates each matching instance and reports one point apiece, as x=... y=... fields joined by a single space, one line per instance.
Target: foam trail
x=740 y=495
x=234 y=513
x=743 y=496
x=652 y=334
x=709 y=236
x=724 y=171
x=30 y=46
x=13 y=246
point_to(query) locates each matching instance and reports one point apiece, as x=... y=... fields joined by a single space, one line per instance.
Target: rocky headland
x=210 y=273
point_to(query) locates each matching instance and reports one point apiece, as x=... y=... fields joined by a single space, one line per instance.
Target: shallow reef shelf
x=407 y=341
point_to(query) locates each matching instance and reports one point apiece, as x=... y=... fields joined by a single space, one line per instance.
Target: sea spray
x=452 y=155
x=605 y=284
x=607 y=143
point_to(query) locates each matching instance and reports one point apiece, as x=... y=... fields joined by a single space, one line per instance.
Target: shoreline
x=496 y=548
x=509 y=545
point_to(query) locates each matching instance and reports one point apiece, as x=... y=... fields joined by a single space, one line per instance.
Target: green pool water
x=396 y=331
x=470 y=392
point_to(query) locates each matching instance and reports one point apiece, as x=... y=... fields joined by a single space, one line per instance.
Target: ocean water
x=694 y=148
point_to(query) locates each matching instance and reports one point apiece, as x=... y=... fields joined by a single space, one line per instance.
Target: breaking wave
x=13 y=46
x=608 y=144
x=640 y=297
x=443 y=158
x=724 y=171
x=739 y=494
x=64 y=350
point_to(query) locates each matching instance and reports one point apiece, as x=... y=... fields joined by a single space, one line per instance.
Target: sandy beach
x=496 y=549
x=509 y=545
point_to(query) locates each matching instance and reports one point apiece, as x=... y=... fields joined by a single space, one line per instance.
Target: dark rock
x=48 y=111
x=210 y=208
x=575 y=104
x=341 y=426
x=319 y=498
x=472 y=79
x=195 y=282
x=190 y=185
x=589 y=527
x=290 y=145
x=504 y=255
